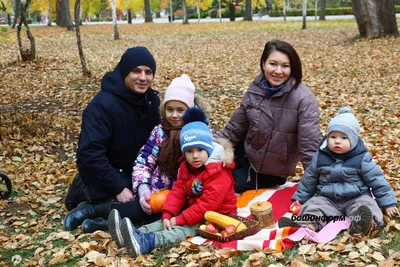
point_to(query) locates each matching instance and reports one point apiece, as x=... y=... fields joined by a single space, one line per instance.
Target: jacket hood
x=114 y=83
x=222 y=152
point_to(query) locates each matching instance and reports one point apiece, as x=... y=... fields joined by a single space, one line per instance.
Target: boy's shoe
x=113 y=225
x=362 y=221
x=285 y=221
x=136 y=242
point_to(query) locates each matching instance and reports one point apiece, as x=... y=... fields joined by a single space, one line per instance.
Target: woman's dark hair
x=287 y=49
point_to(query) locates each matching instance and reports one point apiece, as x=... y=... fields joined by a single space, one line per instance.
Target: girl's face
x=196 y=156
x=277 y=68
x=174 y=111
x=338 y=142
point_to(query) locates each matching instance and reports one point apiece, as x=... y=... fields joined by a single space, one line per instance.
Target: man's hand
x=125 y=196
x=144 y=196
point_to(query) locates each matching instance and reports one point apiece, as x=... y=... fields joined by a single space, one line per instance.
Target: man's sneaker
x=285 y=221
x=113 y=225
x=362 y=221
x=136 y=242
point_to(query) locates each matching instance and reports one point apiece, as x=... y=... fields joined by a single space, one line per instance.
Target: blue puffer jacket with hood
x=115 y=125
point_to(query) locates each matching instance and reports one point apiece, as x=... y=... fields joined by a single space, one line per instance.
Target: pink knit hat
x=181 y=89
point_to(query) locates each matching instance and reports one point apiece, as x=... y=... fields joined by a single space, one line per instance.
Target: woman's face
x=277 y=68
x=174 y=111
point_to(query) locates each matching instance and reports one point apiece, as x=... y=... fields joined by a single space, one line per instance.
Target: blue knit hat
x=346 y=123
x=195 y=132
x=136 y=56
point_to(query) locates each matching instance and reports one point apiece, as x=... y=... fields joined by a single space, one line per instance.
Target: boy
x=340 y=179
x=204 y=183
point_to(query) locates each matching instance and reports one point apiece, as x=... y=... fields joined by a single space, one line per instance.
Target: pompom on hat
x=195 y=132
x=346 y=123
x=136 y=56
x=181 y=89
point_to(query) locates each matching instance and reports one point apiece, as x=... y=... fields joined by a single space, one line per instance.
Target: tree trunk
x=147 y=17
x=304 y=14
x=26 y=54
x=232 y=11
x=114 y=18
x=184 y=13
x=284 y=10
x=158 y=15
x=367 y=19
x=9 y=19
x=49 y=16
x=17 y=12
x=129 y=16
x=63 y=15
x=248 y=11
x=85 y=71
x=322 y=9
x=388 y=18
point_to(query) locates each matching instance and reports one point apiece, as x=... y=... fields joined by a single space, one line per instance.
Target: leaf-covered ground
x=40 y=113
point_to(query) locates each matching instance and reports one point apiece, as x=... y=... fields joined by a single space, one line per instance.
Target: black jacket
x=115 y=125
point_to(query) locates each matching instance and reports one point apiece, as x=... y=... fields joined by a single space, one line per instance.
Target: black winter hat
x=136 y=56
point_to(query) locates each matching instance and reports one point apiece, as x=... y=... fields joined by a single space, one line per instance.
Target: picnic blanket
x=275 y=238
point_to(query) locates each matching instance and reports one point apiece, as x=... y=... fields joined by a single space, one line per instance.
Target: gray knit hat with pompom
x=346 y=123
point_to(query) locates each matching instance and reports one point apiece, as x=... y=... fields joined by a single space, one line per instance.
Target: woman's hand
x=392 y=211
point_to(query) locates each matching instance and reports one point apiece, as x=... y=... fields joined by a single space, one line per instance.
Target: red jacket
x=201 y=190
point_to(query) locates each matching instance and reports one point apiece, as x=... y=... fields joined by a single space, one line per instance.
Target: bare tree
x=49 y=18
x=184 y=12
x=85 y=71
x=375 y=18
x=248 y=14
x=17 y=12
x=304 y=14
x=232 y=11
x=26 y=54
x=129 y=16
x=322 y=10
x=114 y=17
x=63 y=15
x=147 y=10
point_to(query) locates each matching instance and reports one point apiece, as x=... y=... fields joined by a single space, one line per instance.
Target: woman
x=276 y=124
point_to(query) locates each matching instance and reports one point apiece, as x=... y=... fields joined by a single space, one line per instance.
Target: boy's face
x=338 y=142
x=196 y=157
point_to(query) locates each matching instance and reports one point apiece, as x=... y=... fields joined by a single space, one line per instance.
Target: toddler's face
x=196 y=156
x=174 y=111
x=338 y=142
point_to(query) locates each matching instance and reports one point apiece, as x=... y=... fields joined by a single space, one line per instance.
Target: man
x=115 y=125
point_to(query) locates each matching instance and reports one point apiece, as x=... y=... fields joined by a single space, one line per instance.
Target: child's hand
x=295 y=207
x=173 y=221
x=392 y=211
x=167 y=224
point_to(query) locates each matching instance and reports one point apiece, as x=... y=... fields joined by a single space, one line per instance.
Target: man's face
x=139 y=80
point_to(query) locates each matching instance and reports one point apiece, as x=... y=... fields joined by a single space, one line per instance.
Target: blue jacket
x=115 y=125
x=343 y=177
